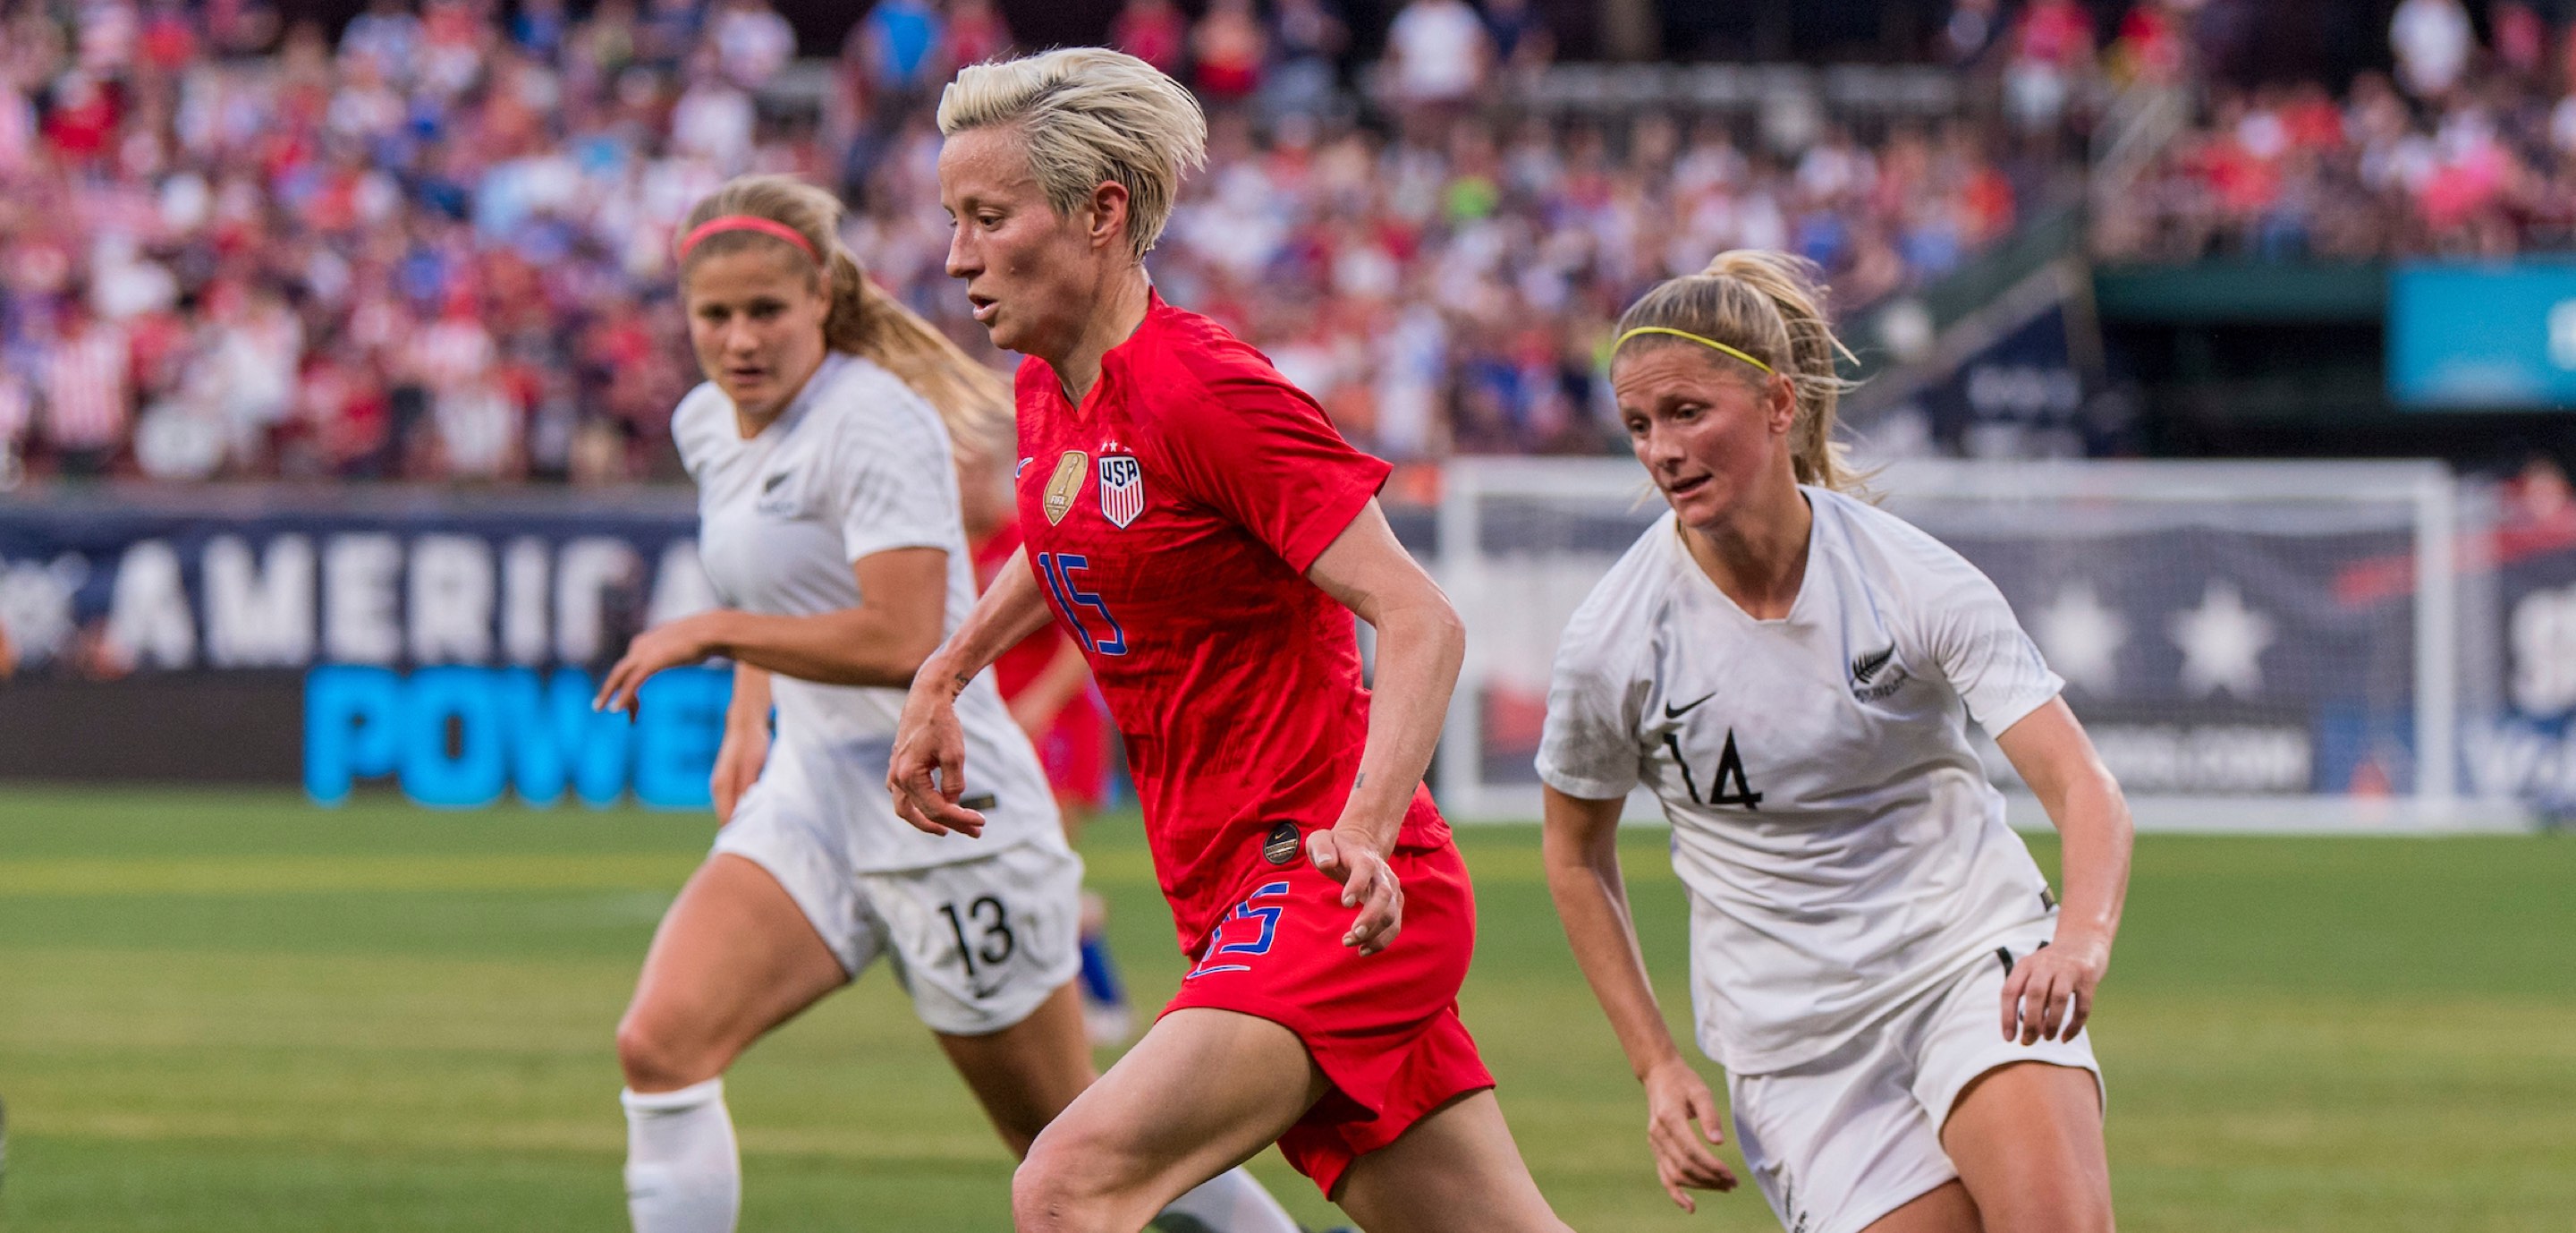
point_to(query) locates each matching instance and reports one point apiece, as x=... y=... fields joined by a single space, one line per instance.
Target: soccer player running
x=1197 y=525
x=1793 y=672
x=828 y=522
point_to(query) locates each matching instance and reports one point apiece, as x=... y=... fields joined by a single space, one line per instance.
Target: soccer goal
x=2253 y=646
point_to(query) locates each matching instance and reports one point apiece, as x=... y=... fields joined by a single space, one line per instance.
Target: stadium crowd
x=2468 y=149
x=438 y=247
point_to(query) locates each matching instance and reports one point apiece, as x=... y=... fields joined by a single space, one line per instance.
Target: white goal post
x=2268 y=646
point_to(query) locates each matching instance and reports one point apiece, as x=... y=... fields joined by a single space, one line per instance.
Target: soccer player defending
x=828 y=521
x=1205 y=535
x=1793 y=672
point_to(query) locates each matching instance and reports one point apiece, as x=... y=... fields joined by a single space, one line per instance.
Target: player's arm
x=745 y=749
x=927 y=773
x=880 y=642
x=1420 y=644
x=2050 y=994
x=1581 y=853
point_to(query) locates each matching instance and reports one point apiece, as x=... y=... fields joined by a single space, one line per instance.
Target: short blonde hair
x=1770 y=306
x=1087 y=115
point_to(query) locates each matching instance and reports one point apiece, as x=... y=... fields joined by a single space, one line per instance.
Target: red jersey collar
x=1114 y=360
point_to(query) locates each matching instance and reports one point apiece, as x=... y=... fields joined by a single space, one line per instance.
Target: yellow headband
x=1705 y=342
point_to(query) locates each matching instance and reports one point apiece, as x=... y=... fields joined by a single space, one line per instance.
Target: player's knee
x=658 y=1056
x=1060 y=1186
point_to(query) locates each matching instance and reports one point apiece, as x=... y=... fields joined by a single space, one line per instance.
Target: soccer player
x=1793 y=673
x=1047 y=685
x=1199 y=528
x=828 y=521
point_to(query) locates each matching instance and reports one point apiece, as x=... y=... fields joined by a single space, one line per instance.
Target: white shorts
x=1840 y=1141
x=979 y=944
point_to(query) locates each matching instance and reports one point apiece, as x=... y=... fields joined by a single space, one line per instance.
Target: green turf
x=235 y=1012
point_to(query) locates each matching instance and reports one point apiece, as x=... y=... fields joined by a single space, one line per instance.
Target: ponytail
x=1768 y=309
x=973 y=400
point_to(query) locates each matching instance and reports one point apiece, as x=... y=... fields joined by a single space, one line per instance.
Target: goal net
x=2271 y=646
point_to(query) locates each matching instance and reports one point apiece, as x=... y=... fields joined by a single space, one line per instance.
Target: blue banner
x=2483 y=337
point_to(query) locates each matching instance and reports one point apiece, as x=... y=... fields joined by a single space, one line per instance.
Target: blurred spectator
x=1523 y=43
x=977 y=33
x=2151 y=46
x=1229 y=48
x=2432 y=40
x=1153 y=31
x=2052 y=52
x=1437 y=52
x=1307 y=37
x=752 y=42
x=87 y=387
x=1971 y=30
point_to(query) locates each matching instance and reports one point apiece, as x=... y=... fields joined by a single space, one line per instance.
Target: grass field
x=236 y=1012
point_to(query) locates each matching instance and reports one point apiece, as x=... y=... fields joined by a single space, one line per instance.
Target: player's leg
x=1201 y=1093
x=734 y=957
x=2027 y=1139
x=1945 y=1208
x=1025 y=1074
x=1456 y=1168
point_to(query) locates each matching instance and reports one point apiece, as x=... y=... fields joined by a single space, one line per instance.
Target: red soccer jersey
x=1171 y=519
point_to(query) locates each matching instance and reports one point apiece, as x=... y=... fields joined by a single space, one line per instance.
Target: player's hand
x=1367 y=884
x=668 y=645
x=1680 y=1113
x=2049 y=994
x=738 y=762
x=927 y=773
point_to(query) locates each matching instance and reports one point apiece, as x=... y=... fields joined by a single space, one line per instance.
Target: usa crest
x=1122 y=488
x=1064 y=485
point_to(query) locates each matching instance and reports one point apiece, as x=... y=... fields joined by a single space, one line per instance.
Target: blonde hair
x=1769 y=306
x=863 y=320
x=1088 y=114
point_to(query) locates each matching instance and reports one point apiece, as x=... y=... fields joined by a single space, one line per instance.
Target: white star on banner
x=2082 y=638
x=2222 y=644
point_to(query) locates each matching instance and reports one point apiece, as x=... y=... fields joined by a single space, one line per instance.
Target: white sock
x=683 y=1174
x=1230 y=1202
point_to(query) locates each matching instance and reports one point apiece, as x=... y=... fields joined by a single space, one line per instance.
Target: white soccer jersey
x=858 y=464
x=1841 y=845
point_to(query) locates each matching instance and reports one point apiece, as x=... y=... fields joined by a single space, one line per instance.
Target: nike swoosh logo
x=1676 y=712
x=771 y=484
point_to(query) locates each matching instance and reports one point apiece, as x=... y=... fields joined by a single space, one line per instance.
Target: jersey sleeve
x=893 y=482
x=1588 y=747
x=1262 y=453
x=1981 y=649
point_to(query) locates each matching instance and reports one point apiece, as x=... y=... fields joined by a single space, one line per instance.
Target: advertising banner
x=448 y=643
x=2480 y=337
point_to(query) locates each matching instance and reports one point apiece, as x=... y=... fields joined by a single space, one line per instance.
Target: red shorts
x=1383 y=1028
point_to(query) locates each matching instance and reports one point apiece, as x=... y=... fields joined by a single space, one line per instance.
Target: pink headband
x=747 y=222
